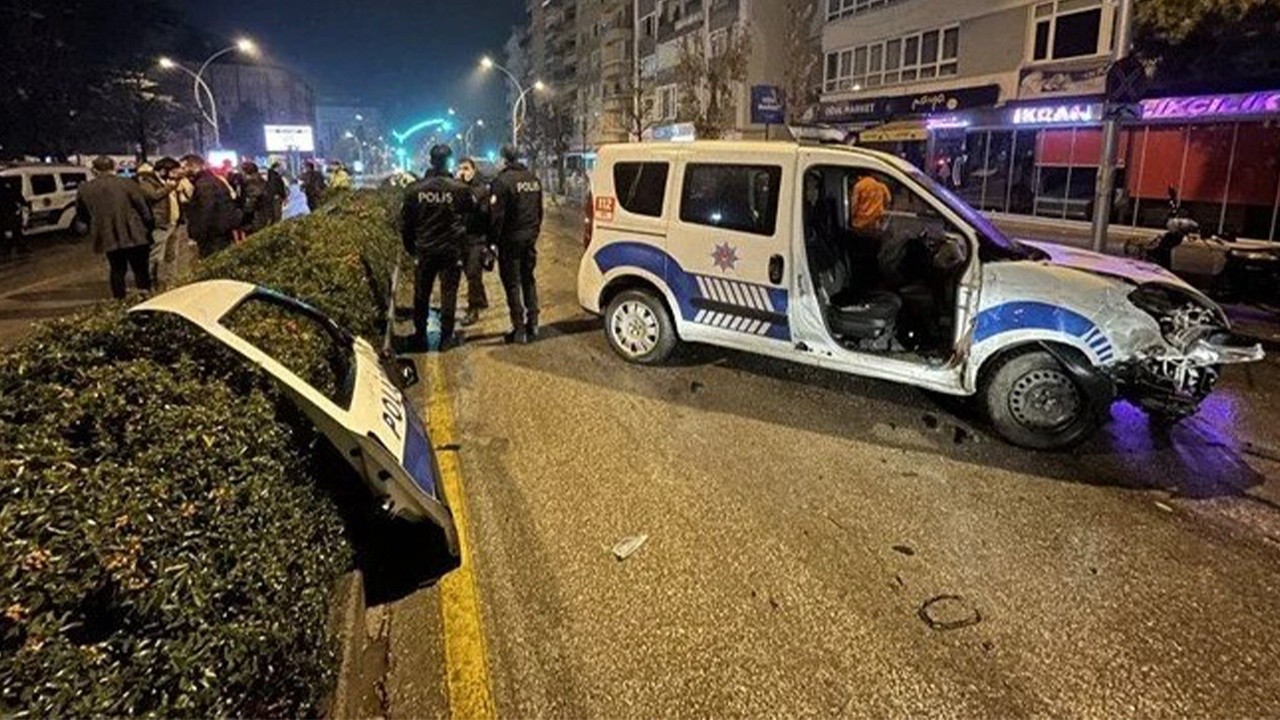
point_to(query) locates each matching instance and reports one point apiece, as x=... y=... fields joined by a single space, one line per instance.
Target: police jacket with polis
x=516 y=207
x=433 y=218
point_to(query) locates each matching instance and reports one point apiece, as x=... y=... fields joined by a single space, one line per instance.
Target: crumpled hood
x=1135 y=271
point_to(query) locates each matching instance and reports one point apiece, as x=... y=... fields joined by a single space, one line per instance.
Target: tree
x=548 y=134
x=62 y=65
x=134 y=111
x=708 y=78
x=1209 y=45
x=804 y=52
x=640 y=114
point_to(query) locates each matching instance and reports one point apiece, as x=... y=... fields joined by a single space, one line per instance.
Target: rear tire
x=1033 y=402
x=639 y=328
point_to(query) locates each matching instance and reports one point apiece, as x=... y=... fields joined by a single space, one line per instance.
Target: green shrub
x=167 y=542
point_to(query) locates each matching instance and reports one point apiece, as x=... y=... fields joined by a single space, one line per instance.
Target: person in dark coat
x=277 y=192
x=255 y=205
x=433 y=228
x=11 y=205
x=515 y=224
x=159 y=192
x=477 y=251
x=212 y=215
x=313 y=185
x=117 y=218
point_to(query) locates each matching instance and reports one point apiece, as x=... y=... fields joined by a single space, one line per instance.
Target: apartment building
x=1002 y=100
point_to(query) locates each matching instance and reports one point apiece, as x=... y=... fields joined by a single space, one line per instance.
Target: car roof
x=756 y=147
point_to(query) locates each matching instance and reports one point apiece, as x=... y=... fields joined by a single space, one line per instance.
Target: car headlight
x=1183 y=317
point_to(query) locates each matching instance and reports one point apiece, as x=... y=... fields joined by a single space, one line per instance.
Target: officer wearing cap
x=515 y=223
x=433 y=228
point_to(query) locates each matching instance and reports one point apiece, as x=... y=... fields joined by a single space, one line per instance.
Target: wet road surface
x=826 y=545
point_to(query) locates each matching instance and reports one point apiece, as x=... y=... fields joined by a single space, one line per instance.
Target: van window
x=641 y=186
x=733 y=197
x=71 y=181
x=43 y=185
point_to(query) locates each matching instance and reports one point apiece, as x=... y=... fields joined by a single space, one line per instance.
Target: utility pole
x=1104 y=192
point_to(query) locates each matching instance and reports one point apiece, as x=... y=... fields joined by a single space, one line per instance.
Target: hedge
x=169 y=533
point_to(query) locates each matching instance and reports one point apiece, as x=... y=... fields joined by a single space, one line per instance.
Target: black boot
x=516 y=337
x=471 y=318
x=531 y=331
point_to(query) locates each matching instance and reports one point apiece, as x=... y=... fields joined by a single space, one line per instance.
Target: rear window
x=43 y=185
x=71 y=181
x=641 y=186
x=732 y=197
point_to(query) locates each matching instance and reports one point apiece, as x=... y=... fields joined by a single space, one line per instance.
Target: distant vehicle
x=50 y=192
x=750 y=246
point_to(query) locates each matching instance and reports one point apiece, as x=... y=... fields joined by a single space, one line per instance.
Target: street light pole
x=243 y=45
x=210 y=116
x=488 y=62
x=1104 y=191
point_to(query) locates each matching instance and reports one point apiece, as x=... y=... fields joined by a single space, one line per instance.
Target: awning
x=901 y=131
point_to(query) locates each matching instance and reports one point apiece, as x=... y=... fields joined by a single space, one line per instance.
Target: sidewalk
x=1253 y=321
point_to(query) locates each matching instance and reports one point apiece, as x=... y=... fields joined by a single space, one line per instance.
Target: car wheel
x=639 y=328
x=1034 y=402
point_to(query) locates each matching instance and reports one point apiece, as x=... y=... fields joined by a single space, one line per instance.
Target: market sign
x=768 y=105
x=886 y=108
x=289 y=138
x=1204 y=106
x=1069 y=114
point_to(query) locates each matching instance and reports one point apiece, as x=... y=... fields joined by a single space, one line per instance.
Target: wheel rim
x=1045 y=400
x=635 y=328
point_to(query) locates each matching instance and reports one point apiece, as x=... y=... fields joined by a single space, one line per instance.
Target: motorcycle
x=1226 y=268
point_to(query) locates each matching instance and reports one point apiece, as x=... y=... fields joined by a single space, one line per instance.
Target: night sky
x=412 y=58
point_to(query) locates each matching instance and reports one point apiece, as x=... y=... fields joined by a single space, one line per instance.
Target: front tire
x=639 y=328
x=1034 y=402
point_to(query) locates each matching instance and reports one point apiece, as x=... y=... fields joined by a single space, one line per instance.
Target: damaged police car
x=854 y=260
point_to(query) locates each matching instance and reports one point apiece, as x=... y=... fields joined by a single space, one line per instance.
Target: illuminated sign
x=219 y=158
x=1200 y=106
x=287 y=138
x=1056 y=114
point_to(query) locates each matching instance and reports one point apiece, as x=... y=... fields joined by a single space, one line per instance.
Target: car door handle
x=776 y=267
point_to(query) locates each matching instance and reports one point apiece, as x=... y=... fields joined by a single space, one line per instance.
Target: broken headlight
x=1183 y=317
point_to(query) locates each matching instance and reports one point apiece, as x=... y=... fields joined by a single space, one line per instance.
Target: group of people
x=454 y=226
x=315 y=184
x=141 y=224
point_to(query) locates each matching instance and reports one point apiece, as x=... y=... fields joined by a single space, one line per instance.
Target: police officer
x=478 y=255
x=515 y=223
x=434 y=231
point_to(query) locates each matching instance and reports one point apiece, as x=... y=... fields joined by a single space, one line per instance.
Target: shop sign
x=1206 y=106
x=679 y=132
x=768 y=105
x=885 y=108
x=1071 y=78
x=1073 y=114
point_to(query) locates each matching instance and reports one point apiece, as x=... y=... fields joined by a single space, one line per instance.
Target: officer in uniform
x=515 y=223
x=434 y=231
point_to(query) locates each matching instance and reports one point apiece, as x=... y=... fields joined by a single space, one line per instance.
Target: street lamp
x=517 y=114
x=467 y=136
x=243 y=45
x=199 y=83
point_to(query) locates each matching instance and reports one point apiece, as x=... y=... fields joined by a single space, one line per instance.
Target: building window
x=1068 y=29
x=719 y=41
x=732 y=197
x=668 y=102
x=648 y=25
x=837 y=9
x=919 y=56
x=641 y=187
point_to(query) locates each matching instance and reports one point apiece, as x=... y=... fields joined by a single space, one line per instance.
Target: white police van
x=50 y=194
x=769 y=248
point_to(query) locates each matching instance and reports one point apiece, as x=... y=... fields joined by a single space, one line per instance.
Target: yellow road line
x=465 y=654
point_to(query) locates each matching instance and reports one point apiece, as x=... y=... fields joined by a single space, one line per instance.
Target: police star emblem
x=725 y=257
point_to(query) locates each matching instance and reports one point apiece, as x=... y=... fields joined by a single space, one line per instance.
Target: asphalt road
x=820 y=545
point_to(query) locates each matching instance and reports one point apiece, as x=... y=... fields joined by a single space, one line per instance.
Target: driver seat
x=861 y=316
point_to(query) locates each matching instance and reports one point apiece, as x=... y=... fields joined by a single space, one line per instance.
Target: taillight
x=588 y=219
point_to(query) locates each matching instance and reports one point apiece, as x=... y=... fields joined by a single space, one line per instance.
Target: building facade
x=251 y=95
x=1002 y=100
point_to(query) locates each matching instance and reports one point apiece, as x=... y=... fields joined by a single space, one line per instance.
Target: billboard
x=284 y=138
x=768 y=105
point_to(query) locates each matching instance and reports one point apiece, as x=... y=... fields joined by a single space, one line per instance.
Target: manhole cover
x=949 y=612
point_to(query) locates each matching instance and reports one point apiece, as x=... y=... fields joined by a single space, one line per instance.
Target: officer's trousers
x=516 y=264
x=448 y=268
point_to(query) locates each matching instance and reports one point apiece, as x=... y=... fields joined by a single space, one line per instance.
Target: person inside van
x=869 y=198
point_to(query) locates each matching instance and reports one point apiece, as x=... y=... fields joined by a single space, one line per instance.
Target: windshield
x=989 y=234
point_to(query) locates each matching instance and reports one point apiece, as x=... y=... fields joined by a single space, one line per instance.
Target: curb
x=347 y=628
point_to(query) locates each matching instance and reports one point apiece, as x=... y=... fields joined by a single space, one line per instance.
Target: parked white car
x=50 y=192
x=783 y=249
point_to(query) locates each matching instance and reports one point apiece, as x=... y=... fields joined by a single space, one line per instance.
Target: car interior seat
x=866 y=317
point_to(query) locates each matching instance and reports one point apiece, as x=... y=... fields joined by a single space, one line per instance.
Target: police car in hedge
x=854 y=260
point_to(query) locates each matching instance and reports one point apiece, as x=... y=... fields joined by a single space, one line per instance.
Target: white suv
x=50 y=192
x=856 y=261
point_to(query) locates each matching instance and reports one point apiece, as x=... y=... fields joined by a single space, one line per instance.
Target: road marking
x=465 y=654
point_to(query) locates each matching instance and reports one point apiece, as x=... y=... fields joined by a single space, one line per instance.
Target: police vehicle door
x=731 y=246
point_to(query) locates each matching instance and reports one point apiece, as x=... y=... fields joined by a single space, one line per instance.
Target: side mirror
x=407 y=372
